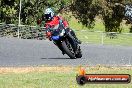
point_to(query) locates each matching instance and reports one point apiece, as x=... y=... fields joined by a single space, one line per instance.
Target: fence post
x=102 y=38
x=19 y=17
x=18 y=31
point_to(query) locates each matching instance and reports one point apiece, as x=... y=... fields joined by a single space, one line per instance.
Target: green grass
x=59 y=79
x=90 y=37
x=96 y=38
x=122 y=39
x=99 y=25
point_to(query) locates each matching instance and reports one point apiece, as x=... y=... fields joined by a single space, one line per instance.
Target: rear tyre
x=67 y=51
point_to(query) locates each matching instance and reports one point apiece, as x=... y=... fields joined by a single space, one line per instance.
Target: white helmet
x=49 y=14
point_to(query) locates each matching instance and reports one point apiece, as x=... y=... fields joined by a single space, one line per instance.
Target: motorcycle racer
x=52 y=20
x=53 y=23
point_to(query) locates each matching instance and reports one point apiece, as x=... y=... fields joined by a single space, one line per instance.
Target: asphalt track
x=20 y=52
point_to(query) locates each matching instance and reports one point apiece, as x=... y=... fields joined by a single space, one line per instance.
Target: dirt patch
x=34 y=69
x=65 y=69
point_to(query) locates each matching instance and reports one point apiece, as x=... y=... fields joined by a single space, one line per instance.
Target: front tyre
x=67 y=51
x=79 y=53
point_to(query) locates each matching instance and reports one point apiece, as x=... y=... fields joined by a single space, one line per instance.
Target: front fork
x=73 y=42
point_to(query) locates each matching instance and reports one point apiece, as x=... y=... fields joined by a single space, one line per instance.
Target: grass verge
x=55 y=77
x=96 y=38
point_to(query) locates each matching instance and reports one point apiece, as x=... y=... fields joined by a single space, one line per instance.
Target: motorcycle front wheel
x=79 y=53
x=67 y=50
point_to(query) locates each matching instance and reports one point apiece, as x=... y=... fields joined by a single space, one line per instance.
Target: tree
x=9 y=2
x=8 y=11
x=112 y=15
x=31 y=10
x=85 y=11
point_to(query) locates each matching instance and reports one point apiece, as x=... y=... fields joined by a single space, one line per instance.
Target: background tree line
x=83 y=10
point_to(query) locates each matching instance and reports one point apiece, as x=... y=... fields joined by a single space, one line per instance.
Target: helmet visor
x=48 y=16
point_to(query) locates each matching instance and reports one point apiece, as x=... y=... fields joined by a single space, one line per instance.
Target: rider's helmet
x=48 y=14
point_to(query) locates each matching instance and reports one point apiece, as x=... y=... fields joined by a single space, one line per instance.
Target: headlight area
x=62 y=32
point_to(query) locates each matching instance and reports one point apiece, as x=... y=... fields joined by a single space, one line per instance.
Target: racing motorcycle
x=65 y=41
